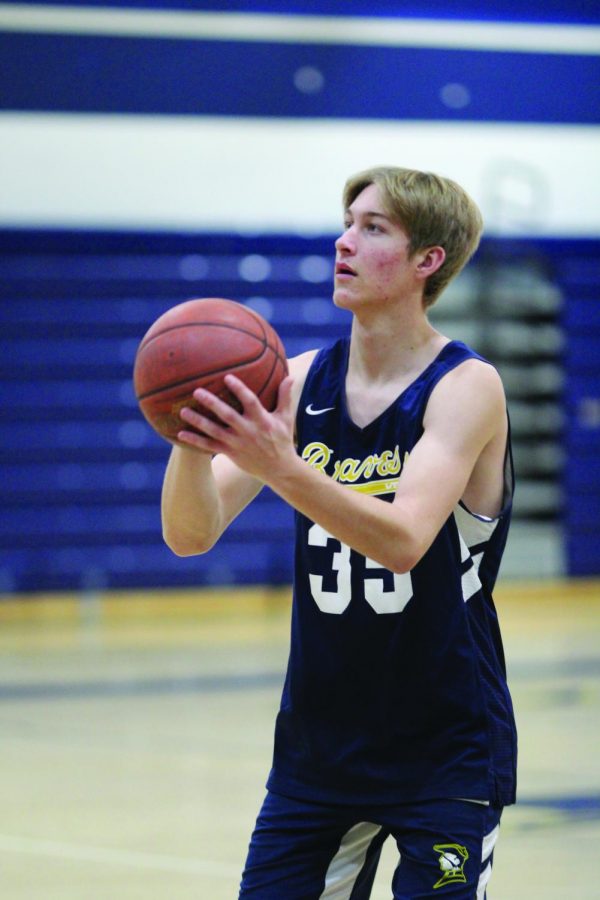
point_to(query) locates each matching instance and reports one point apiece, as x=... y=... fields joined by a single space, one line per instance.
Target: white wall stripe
x=353 y=30
x=210 y=173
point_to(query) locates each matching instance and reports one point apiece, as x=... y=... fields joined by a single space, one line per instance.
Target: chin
x=342 y=299
x=346 y=301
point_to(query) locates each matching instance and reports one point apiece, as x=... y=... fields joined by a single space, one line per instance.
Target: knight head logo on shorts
x=452 y=859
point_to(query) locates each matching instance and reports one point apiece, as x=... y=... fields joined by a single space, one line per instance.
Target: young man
x=393 y=448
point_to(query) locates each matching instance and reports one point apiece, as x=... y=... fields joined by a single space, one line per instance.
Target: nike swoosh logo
x=317 y=412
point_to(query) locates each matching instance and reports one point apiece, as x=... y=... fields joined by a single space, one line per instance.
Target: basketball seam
x=203 y=375
x=154 y=337
x=264 y=326
x=277 y=339
x=276 y=359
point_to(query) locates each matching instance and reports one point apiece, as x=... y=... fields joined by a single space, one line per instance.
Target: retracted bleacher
x=81 y=469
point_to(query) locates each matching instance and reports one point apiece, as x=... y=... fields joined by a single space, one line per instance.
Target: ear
x=429 y=261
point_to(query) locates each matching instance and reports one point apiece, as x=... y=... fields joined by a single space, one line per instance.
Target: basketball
x=197 y=343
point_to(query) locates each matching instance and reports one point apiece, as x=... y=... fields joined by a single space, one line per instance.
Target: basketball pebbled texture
x=197 y=343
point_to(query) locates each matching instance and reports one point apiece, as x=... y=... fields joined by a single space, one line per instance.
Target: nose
x=345 y=242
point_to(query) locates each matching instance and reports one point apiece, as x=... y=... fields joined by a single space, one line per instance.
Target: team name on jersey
x=386 y=464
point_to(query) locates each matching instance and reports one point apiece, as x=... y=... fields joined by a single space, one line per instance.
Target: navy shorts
x=309 y=851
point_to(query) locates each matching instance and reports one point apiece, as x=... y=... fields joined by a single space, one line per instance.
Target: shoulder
x=473 y=376
x=471 y=394
x=299 y=365
x=298 y=369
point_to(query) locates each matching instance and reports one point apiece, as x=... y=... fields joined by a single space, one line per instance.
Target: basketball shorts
x=309 y=851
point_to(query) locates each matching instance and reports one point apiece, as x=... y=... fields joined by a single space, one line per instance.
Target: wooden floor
x=135 y=738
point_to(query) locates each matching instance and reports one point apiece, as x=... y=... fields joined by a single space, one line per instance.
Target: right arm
x=201 y=495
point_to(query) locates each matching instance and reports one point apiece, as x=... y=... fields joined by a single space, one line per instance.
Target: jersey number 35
x=381 y=599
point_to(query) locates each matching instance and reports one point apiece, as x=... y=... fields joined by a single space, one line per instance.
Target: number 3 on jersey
x=382 y=601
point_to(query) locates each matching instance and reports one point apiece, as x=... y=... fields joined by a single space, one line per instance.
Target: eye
x=373 y=227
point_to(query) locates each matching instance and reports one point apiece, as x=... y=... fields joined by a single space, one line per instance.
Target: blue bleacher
x=82 y=470
x=123 y=564
x=580 y=276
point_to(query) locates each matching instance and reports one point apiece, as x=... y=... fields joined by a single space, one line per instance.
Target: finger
x=219 y=408
x=201 y=423
x=249 y=400
x=199 y=442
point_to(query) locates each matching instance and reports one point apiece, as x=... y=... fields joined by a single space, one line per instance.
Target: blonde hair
x=434 y=211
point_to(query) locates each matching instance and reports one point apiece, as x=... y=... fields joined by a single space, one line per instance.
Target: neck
x=390 y=345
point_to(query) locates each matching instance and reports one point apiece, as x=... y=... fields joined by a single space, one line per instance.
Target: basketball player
x=393 y=448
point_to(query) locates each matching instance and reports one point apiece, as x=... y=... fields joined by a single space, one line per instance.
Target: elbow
x=190 y=538
x=401 y=564
x=187 y=545
x=404 y=557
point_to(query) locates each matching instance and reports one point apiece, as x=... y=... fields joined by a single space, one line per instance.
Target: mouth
x=343 y=269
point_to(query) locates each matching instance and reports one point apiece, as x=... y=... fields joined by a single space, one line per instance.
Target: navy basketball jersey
x=396 y=685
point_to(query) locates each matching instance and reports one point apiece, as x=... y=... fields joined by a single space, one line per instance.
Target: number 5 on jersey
x=381 y=600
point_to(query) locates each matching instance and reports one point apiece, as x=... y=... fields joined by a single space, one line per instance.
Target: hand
x=259 y=442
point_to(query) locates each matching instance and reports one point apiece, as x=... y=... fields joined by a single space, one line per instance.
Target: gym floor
x=136 y=738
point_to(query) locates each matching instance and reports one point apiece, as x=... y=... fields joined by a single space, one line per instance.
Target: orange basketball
x=197 y=343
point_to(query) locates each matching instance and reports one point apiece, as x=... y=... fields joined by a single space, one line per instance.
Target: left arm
x=465 y=412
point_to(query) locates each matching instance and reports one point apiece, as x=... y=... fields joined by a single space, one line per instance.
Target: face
x=372 y=255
